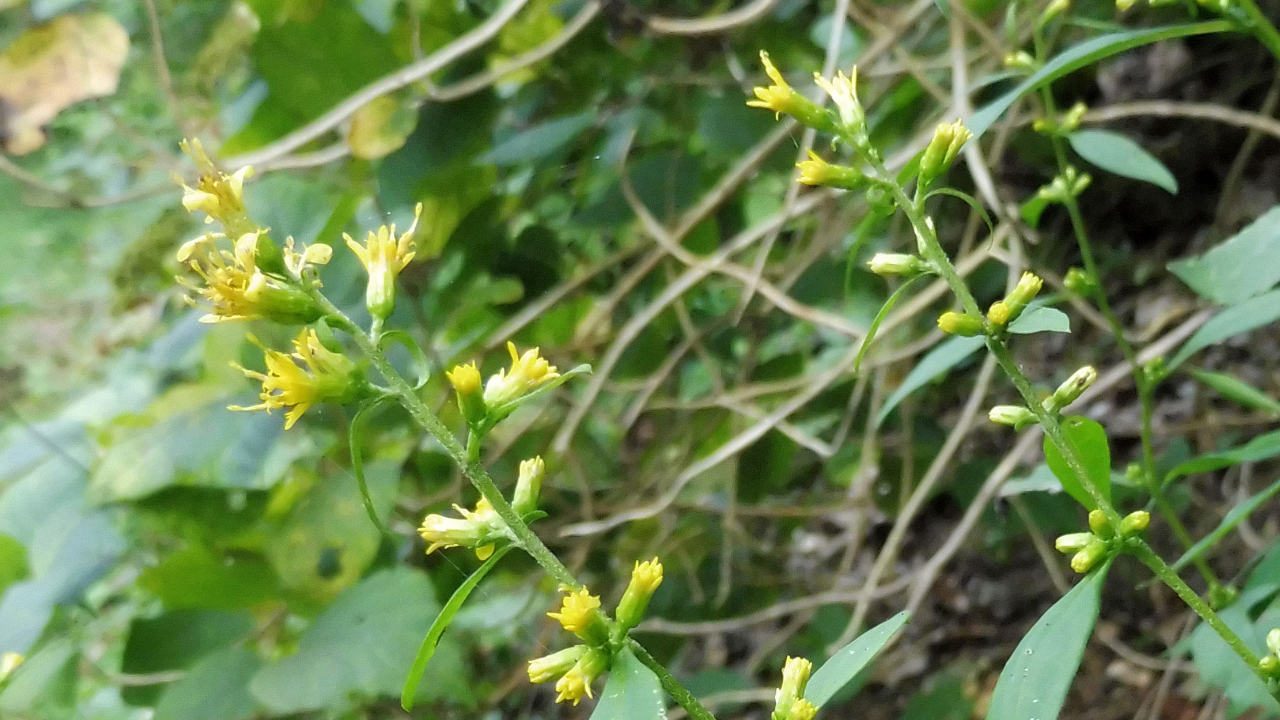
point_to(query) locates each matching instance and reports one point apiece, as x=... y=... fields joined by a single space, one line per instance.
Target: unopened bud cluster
x=1003 y=312
x=1068 y=122
x=483 y=407
x=1269 y=665
x=575 y=668
x=1088 y=548
x=942 y=151
x=481 y=528
x=1069 y=184
x=788 y=701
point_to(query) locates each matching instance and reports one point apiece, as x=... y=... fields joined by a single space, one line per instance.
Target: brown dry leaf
x=53 y=66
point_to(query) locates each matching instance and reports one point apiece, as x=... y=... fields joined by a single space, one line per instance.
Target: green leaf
x=1082 y=55
x=197 y=577
x=632 y=692
x=1220 y=667
x=440 y=624
x=13 y=562
x=936 y=363
x=1041 y=319
x=1035 y=680
x=880 y=316
x=538 y=141
x=1259 y=448
x=175 y=641
x=1090 y=442
x=216 y=688
x=47 y=674
x=362 y=644
x=852 y=659
x=1248 y=315
x=1121 y=156
x=1237 y=390
x=1229 y=521
x=1229 y=272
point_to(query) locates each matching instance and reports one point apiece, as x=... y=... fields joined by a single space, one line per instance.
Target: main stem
x=1261 y=27
x=468 y=459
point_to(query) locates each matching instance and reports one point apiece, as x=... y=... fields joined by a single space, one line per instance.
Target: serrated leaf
x=1237 y=390
x=1230 y=272
x=1259 y=448
x=632 y=692
x=936 y=363
x=1090 y=442
x=852 y=659
x=1229 y=522
x=1082 y=55
x=1121 y=156
x=1035 y=680
x=1248 y=315
x=1041 y=319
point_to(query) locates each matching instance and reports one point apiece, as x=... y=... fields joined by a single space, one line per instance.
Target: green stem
x=1260 y=25
x=1139 y=549
x=673 y=687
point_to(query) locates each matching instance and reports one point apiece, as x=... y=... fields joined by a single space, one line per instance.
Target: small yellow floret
x=528 y=372
x=577 y=611
x=311 y=374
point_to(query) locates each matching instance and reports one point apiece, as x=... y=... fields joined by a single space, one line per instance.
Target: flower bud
x=477 y=529
x=795 y=676
x=897 y=264
x=1072 y=117
x=1269 y=665
x=1083 y=561
x=1123 y=5
x=528 y=485
x=942 y=150
x=1079 y=282
x=803 y=710
x=1023 y=293
x=954 y=323
x=816 y=171
x=1021 y=60
x=1070 y=390
x=580 y=614
x=1134 y=523
x=528 y=372
x=645 y=579
x=1073 y=542
x=1099 y=524
x=1014 y=416
x=782 y=99
x=466 y=381
x=998 y=314
x=1155 y=371
x=1222 y=596
x=844 y=93
x=550 y=667
x=1052 y=10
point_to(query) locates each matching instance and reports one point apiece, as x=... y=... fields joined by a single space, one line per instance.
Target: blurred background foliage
x=162 y=557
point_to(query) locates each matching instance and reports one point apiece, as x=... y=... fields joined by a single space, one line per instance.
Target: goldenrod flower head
x=816 y=171
x=578 y=611
x=897 y=264
x=645 y=579
x=550 y=667
x=577 y=681
x=465 y=378
x=1026 y=290
x=528 y=485
x=803 y=710
x=475 y=529
x=844 y=93
x=384 y=254
x=795 y=676
x=778 y=97
x=312 y=374
x=235 y=288
x=9 y=662
x=218 y=195
x=999 y=313
x=528 y=373
x=1073 y=542
x=954 y=323
x=943 y=150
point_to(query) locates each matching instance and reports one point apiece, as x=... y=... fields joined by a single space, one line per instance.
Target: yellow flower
x=312 y=374
x=943 y=150
x=235 y=288
x=384 y=254
x=528 y=373
x=778 y=97
x=645 y=579
x=844 y=93
x=816 y=171
x=475 y=529
x=465 y=378
x=795 y=675
x=577 y=681
x=549 y=667
x=954 y=323
x=578 y=611
x=803 y=710
x=218 y=195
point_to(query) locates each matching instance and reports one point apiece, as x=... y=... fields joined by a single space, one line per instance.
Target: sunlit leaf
x=631 y=693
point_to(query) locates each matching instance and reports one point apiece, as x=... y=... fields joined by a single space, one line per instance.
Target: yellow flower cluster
x=311 y=374
x=383 y=255
x=477 y=529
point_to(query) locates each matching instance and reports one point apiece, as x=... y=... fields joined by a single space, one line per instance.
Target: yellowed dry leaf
x=51 y=67
x=380 y=127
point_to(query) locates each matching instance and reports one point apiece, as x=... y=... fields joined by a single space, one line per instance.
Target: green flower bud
x=1071 y=118
x=1134 y=523
x=998 y=314
x=795 y=676
x=897 y=264
x=550 y=667
x=645 y=579
x=1073 y=542
x=1222 y=596
x=1100 y=525
x=528 y=485
x=1155 y=371
x=1021 y=60
x=1074 y=386
x=1024 y=292
x=1014 y=416
x=1079 y=282
x=954 y=323
x=942 y=150
x=1269 y=665
x=1083 y=561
